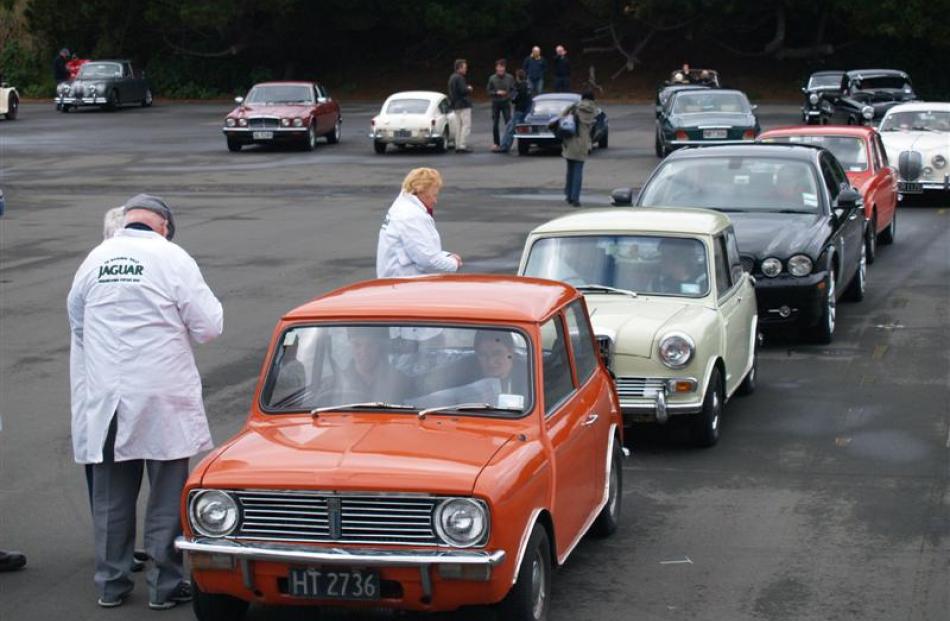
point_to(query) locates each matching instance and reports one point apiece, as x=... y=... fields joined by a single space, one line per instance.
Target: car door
x=729 y=300
x=746 y=317
x=569 y=434
x=444 y=121
x=127 y=87
x=848 y=235
x=326 y=110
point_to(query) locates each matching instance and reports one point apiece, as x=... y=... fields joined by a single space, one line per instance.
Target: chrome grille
x=262 y=123
x=316 y=516
x=639 y=387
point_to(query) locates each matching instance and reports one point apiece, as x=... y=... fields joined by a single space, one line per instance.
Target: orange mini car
x=424 y=444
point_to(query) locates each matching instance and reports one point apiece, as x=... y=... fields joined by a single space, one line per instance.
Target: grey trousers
x=115 y=490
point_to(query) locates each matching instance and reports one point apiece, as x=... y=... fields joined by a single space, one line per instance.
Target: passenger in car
x=682 y=273
x=498 y=359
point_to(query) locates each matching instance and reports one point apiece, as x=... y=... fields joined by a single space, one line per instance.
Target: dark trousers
x=562 y=84
x=114 y=492
x=499 y=109
x=575 y=178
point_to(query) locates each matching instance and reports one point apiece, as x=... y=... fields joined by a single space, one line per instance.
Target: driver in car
x=498 y=359
x=681 y=272
x=369 y=376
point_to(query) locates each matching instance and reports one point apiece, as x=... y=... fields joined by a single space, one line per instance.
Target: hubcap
x=312 y=137
x=148 y=97
x=612 y=493
x=538 y=594
x=832 y=303
x=337 y=130
x=863 y=269
x=714 y=423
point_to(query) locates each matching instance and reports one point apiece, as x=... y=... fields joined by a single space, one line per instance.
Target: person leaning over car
x=136 y=304
x=522 y=101
x=574 y=149
x=500 y=87
x=409 y=244
x=460 y=98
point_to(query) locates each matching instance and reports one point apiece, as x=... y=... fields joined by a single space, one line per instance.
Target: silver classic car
x=917 y=136
x=672 y=308
x=107 y=84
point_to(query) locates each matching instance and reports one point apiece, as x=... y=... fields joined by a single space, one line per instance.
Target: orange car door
x=887 y=190
x=569 y=434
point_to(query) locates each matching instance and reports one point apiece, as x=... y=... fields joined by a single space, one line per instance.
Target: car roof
x=857 y=131
x=828 y=72
x=417 y=95
x=918 y=106
x=442 y=297
x=557 y=96
x=718 y=91
x=868 y=73
x=638 y=220
x=284 y=83
x=747 y=149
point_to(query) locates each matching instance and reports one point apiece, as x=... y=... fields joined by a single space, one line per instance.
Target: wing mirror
x=322 y=100
x=848 y=200
x=621 y=197
x=239 y=100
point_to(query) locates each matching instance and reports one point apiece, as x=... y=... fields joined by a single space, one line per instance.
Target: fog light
x=481 y=573
x=784 y=311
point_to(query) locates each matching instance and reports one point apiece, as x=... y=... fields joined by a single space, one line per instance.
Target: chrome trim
x=689 y=341
x=339 y=556
x=522 y=547
x=73 y=101
x=545 y=136
x=246 y=130
x=705 y=142
x=649 y=407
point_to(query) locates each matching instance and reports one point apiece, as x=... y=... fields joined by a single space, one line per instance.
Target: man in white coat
x=409 y=244
x=136 y=304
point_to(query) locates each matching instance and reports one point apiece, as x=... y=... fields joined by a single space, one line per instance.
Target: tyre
x=523 y=147
x=13 y=107
x=529 y=598
x=888 y=235
x=824 y=331
x=233 y=145
x=751 y=380
x=603 y=142
x=859 y=282
x=112 y=101
x=870 y=242
x=609 y=517
x=214 y=607
x=334 y=136
x=379 y=147
x=443 y=144
x=705 y=425
x=311 y=142
x=147 y=100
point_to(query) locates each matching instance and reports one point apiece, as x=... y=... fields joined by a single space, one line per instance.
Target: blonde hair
x=421 y=179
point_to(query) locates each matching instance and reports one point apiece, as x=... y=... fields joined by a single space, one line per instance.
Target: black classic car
x=865 y=95
x=816 y=109
x=544 y=109
x=799 y=223
x=702 y=116
x=107 y=84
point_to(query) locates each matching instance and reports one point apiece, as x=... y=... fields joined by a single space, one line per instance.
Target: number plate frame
x=333 y=583
x=911 y=187
x=402 y=133
x=262 y=135
x=715 y=134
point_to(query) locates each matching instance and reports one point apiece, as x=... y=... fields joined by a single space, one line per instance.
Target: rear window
x=851 y=152
x=407 y=106
x=709 y=101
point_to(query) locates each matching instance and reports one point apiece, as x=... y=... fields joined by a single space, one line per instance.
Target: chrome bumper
x=546 y=136
x=277 y=130
x=80 y=101
x=657 y=408
x=425 y=139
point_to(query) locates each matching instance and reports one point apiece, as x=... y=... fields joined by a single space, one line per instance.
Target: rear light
x=748 y=134
x=522 y=129
x=681 y=135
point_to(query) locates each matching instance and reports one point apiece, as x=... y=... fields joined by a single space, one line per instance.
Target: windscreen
x=645 y=264
x=407 y=106
x=734 y=184
x=551 y=106
x=421 y=366
x=917 y=120
x=280 y=94
x=100 y=70
x=870 y=84
x=850 y=151
x=824 y=81
x=709 y=101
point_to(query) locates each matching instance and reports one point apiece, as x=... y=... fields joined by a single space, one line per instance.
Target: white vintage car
x=9 y=101
x=917 y=138
x=414 y=118
x=672 y=308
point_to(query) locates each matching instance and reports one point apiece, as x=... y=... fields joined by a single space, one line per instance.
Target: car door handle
x=590 y=420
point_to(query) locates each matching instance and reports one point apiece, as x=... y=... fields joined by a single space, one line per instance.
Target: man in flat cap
x=137 y=303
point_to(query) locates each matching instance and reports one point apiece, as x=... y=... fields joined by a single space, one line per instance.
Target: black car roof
x=755 y=149
x=714 y=90
x=867 y=73
x=828 y=72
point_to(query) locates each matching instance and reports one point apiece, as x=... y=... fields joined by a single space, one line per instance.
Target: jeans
x=536 y=86
x=499 y=109
x=509 y=137
x=575 y=177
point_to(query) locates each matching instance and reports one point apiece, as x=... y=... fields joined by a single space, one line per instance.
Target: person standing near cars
x=500 y=89
x=137 y=303
x=562 y=70
x=60 y=72
x=522 y=101
x=574 y=149
x=460 y=98
x=534 y=65
x=409 y=244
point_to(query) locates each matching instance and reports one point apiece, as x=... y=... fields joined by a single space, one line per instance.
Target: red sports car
x=284 y=113
x=862 y=155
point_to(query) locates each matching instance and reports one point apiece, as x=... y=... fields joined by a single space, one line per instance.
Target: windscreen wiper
x=368 y=405
x=606 y=289
x=794 y=211
x=462 y=407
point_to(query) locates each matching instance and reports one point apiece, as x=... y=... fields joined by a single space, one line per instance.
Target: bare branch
x=232 y=50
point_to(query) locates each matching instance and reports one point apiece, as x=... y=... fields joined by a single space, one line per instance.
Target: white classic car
x=414 y=118
x=917 y=138
x=9 y=101
x=672 y=308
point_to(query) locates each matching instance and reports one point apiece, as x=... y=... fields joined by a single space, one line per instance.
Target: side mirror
x=621 y=197
x=239 y=100
x=322 y=100
x=848 y=199
x=755 y=106
x=804 y=90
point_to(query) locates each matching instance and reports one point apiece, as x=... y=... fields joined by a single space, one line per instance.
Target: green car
x=702 y=116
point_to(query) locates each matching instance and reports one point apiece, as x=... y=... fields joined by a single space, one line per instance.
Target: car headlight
x=230 y=122
x=927 y=171
x=213 y=513
x=676 y=350
x=285 y=122
x=242 y=122
x=298 y=122
x=99 y=88
x=461 y=522
x=771 y=267
x=938 y=161
x=799 y=265
x=813 y=99
x=867 y=112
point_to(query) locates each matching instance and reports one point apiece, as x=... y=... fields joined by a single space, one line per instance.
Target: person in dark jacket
x=522 y=101
x=562 y=70
x=60 y=73
x=500 y=89
x=460 y=99
x=574 y=149
x=535 y=66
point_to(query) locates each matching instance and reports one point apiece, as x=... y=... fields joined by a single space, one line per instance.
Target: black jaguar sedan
x=799 y=223
x=544 y=109
x=865 y=95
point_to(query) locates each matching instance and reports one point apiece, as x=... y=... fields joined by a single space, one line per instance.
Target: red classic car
x=281 y=113
x=420 y=443
x=862 y=155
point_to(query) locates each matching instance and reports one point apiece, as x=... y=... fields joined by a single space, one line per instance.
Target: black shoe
x=183 y=593
x=139 y=558
x=11 y=561
x=575 y=203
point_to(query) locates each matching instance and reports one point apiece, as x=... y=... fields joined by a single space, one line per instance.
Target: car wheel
x=147 y=100
x=112 y=100
x=443 y=144
x=334 y=136
x=751 y=380
x=379 y=147
x=215 y=607
x=64 y=108
x=13 y=107
x=870 y=243
x=705 y=425
x=604 y=141
x=890 y=233
x=233 y=145
x=858 y=284
x=824 y=331
x=529 y=598
x=311 y=143
x=523 y=147
x=609 y=517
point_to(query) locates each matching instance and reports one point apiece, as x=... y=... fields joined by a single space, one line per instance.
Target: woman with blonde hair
x=409 y=244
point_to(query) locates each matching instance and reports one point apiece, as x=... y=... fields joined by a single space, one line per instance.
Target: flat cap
x=152 y=203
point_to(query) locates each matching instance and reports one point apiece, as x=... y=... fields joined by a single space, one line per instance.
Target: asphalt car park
x=828 y=496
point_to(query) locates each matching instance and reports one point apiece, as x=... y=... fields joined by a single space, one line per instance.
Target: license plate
x=714 y=134
x=402 y=133
x=318 y=583
x=910 y=187
x=263 y=135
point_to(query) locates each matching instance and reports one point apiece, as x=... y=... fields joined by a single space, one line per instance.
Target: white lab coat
x=136 y=303
x=409 y=244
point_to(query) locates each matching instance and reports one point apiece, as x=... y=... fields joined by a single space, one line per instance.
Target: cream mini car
x=672 y=308
x=9 y=101
x=414 y=118
x=917 y=138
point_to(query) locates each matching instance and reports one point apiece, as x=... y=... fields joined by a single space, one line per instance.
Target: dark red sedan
x=862 y=155
x=284 y=113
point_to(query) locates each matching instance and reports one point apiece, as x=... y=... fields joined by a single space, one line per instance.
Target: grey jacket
x=576 y=147
x=501 y=83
